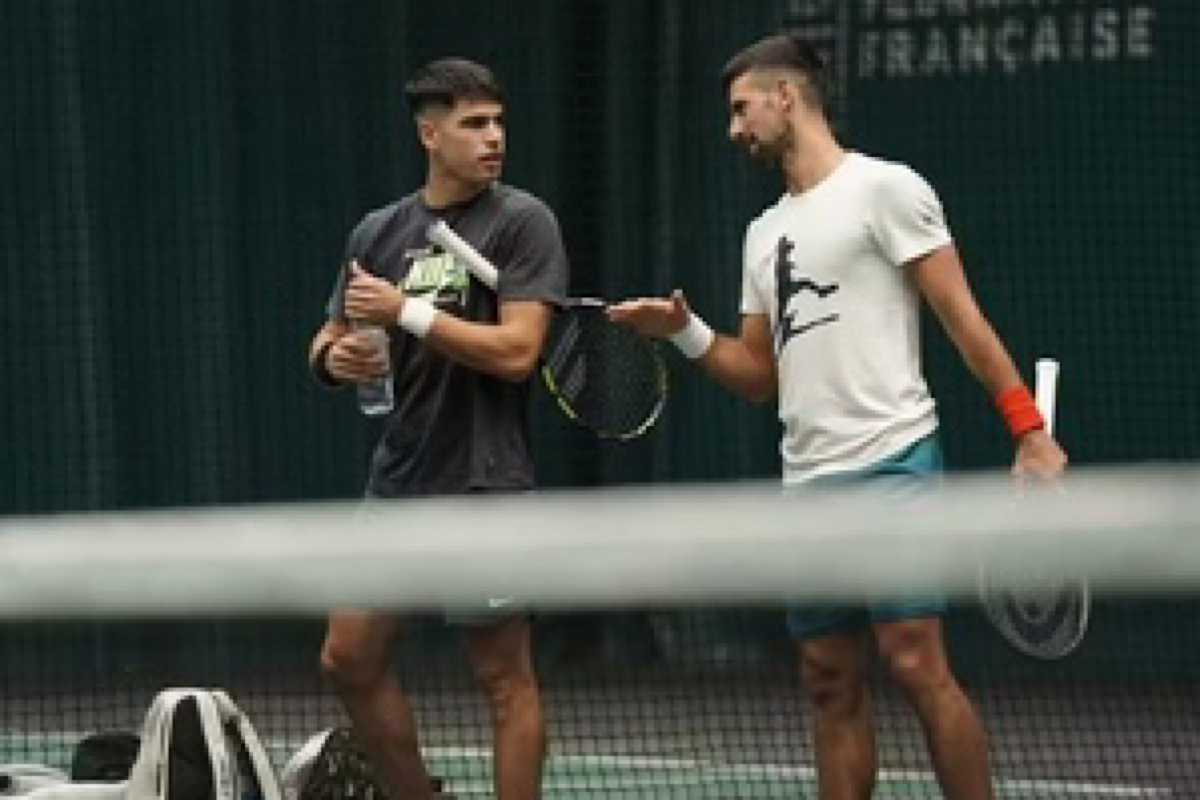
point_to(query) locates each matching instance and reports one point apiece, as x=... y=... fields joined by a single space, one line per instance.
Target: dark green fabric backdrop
x=179 y=178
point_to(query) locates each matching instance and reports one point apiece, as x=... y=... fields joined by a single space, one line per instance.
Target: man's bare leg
x=501 y=657
x=833 y=670
x=915 y=654
x=355 y=659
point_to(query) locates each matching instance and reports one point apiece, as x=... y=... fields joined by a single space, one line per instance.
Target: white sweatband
x=416 y=316
x=695 y=338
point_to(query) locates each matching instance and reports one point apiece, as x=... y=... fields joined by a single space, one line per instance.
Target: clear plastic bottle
x=377 y=398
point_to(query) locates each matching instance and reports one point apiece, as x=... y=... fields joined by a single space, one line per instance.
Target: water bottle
x=377 y=397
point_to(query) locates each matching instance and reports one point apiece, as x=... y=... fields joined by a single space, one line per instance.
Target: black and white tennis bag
x=196 y=744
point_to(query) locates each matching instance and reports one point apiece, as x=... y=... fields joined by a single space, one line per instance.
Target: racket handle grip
x=444 y=236
x=1045 y=389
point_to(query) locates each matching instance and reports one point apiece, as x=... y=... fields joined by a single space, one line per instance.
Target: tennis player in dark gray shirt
x=461 y=358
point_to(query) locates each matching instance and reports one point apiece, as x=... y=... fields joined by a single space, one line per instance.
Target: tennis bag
x=331 y=765
x=198 y=745
x=195 y=744
x=66 y=790
x=105 y=757
x=23 y=779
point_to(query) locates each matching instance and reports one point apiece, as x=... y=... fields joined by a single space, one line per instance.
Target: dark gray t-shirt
x=455 y=429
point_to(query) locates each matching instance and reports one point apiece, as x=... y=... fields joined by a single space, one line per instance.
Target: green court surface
x=617 y=777
x=466 y=772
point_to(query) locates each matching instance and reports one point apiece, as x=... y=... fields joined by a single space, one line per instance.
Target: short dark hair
x=789 y=50
x=447 y=80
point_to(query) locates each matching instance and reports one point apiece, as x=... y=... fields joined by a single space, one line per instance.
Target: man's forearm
x=494 y=349
x=739 y=368
x=985 y=355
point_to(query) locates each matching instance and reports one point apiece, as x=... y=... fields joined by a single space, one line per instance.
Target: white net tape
x=1126 y=529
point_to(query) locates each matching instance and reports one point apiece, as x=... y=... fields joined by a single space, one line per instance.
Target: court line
x=691 y=769
x=704 y=771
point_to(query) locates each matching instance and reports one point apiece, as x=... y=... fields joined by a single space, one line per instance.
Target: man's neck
x=815 y=156
x=441 y=192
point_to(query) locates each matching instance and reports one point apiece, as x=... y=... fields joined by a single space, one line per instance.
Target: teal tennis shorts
x=916 y=469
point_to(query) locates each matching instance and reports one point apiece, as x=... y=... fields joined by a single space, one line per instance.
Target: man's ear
x=789 y=94
x=427 y=131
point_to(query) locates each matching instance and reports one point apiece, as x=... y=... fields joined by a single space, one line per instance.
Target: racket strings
x=1042 y=616
x=606 y=376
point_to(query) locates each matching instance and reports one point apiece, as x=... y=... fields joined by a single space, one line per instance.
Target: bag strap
x=224 y=768
x=150 y=777
x=220 y=720
x=238 y=724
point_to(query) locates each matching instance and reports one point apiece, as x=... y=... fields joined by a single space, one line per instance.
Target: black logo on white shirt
x=787 y=287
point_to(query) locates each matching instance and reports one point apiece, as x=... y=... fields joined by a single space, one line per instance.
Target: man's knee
x=354 y=654
x=914 y=655
x=508 y=690
x=349 y=669
x=503 y=668
x=834 y=680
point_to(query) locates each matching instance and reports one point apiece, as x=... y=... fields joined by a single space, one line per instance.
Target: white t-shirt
x=828 y=268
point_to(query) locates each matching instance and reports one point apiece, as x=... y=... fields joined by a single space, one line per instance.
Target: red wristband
x=1019 y=410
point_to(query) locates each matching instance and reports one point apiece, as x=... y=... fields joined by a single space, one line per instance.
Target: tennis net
x=660 y=638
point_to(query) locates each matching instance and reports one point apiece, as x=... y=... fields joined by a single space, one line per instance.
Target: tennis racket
x=1046 y=618
x=604 y=376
